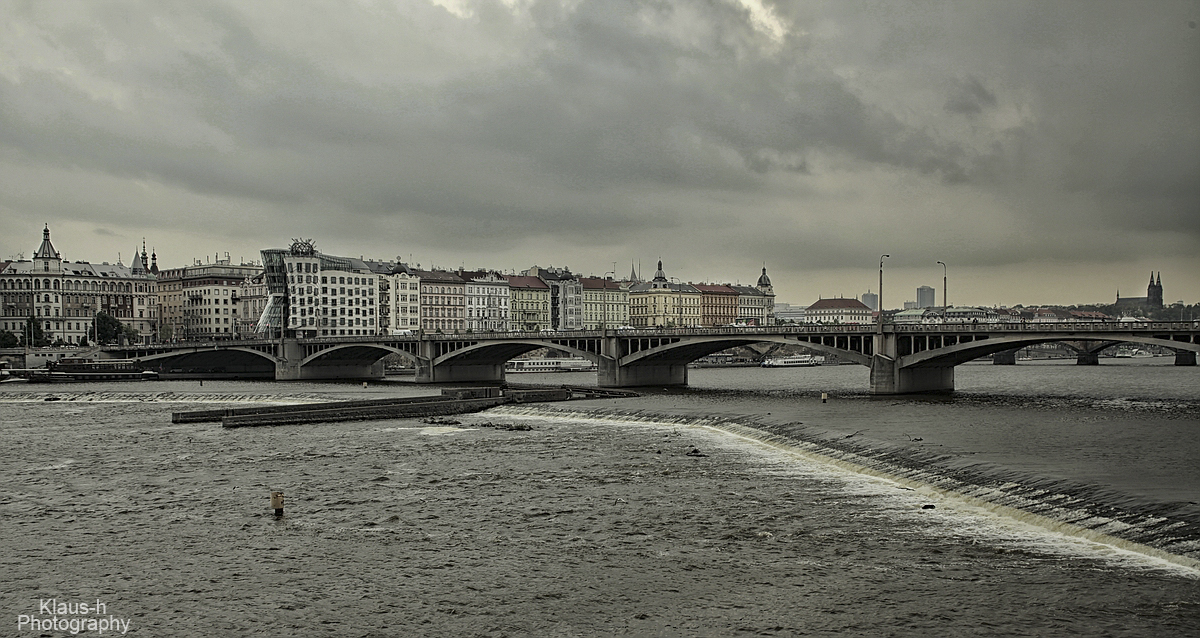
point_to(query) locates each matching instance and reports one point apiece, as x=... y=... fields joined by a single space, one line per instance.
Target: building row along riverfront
x=64 y=296
x=318 y=295
x=973 y=314
x=202 y=302
x=312 y=294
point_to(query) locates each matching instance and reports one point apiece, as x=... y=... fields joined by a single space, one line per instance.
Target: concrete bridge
x=903 y=358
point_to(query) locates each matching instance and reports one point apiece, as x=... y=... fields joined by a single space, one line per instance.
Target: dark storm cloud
x=970 y=98
x=817 y=132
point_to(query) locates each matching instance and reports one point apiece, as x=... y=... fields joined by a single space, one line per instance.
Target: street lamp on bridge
x=881 y=258
x=945 y=300
x=604 y=296
x=678 y=302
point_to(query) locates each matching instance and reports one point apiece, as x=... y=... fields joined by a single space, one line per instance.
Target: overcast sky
x=1048 y=151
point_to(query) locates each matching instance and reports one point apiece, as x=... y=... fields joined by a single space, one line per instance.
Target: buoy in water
x=277 y=503
x=824 y=397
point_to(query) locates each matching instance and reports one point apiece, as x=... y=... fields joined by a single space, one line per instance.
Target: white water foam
x=966 y=514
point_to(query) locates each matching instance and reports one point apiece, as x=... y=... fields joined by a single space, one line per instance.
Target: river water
x=1040 y=499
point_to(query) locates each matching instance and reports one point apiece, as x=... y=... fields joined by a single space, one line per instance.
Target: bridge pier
x=611 y=375
x=454 y=372
x=1006 y=358
x=457 y=373
x=289 y=368
x=887 y=377
x=1185 y=358
x=1088 y=359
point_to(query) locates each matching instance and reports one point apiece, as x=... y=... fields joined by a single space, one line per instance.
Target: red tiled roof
x=596 y=283
x=523 y=281
x=715 y=288
x=839 y=304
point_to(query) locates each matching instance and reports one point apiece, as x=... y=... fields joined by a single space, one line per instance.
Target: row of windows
x=326 y=290
x=53 y=284
x=334 y=301
x=309 y=312
x=325 y=279
x=340 y=321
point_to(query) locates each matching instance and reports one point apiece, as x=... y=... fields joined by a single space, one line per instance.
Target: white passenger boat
x=569 y=364
x=797 y=361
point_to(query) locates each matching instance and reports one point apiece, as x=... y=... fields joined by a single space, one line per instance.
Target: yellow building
x=661 y=303
x=529 y=305
x=605 y=303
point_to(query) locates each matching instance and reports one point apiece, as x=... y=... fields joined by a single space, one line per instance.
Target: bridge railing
x=1047 y=326
x=720 y=331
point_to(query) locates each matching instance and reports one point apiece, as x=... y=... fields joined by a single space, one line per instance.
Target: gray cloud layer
x=813 y=136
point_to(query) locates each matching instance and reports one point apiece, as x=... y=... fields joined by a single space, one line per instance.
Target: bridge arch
x=356 y=353
x=686 y=351
x=963 y=352
x=501 y=352
x=232 y=362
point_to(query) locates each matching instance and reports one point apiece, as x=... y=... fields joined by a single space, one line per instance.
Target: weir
x=1167 y=532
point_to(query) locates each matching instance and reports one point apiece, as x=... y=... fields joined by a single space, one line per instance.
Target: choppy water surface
x=664 y=515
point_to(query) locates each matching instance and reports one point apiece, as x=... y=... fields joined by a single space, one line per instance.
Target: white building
x=317 y=295
x=969 y=314
x=253 y=296
x=404 y=299
x=64 y=297
x=838 y=311
x=785 y=312
x=202 y=302
x=487 y=297
x=756 y=306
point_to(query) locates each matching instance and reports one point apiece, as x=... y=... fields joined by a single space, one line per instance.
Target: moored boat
x=72 y=369
x=569 y=364
x=797 y=361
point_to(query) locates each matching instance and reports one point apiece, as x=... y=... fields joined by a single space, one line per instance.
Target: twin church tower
x=1153 y=298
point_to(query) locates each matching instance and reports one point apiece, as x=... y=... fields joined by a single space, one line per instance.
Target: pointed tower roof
x=135 y=264
x=633 y=273
x=46 y=250
x=154 y=262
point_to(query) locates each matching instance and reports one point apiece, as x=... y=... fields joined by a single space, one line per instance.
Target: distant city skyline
x=1046 y=152
x=895 y=298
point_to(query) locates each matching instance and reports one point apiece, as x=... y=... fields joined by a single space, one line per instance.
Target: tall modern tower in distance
x=926 y=297
x=870 y=300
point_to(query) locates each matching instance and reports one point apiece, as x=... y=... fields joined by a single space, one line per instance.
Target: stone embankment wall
x=320 y=414
x=451 y=401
